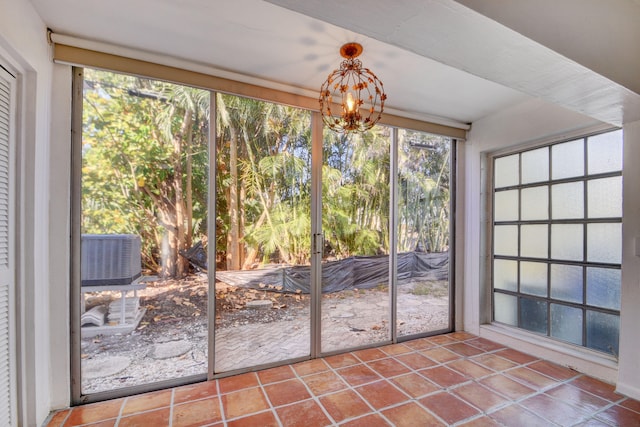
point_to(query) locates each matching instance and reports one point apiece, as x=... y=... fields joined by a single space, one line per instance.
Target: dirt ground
x=175 y=302
x=176 y=311
x=180 y=302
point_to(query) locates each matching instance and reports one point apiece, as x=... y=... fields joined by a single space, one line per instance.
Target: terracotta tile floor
x=454 y=379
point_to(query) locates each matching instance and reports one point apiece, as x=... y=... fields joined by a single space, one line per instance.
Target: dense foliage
x=145 y=163
x=146 y=172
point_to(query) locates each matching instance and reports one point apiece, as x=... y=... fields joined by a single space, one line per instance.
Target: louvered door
x=7 y=255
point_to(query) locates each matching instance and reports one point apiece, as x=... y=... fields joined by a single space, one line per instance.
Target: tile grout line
x=473 y=380
x=353 y=389
x=439 y=389
x=416 y=399
x=171 y=402
x=272 y=408
x=124 y=402
x=373 y=411
x=587 y=417
x=65 y=418
x=348 y=387
x=632 y=410
x=317 y=398
x=449 y=390
x=359 y=360
x=223 y=415
x=607 y=407
x=365 y=363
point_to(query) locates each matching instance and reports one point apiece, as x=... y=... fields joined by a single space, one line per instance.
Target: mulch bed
x=170 y=302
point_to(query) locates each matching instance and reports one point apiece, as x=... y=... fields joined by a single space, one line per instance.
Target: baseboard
x=628 y=390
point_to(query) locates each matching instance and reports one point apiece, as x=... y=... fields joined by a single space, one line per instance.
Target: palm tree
x=263 y=159
x=356 y=192
x=423 y=206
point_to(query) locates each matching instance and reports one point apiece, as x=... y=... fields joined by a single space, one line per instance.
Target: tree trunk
x=177 y=240
x=189 y=184
x=241 y=211
x=250 y=259
x=166 y=217
x=233 y=258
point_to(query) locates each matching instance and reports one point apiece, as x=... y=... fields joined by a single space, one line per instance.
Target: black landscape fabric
x=358 y=272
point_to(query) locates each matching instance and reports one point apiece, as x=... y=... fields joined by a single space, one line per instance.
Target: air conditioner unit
x=110 y=259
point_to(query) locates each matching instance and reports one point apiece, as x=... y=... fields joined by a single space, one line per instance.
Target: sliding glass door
x=195 y=259
x=263 y=233
x=143 y=219
x=355 y=222
x=423 y=233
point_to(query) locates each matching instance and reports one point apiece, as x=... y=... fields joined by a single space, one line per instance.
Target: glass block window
x=557 y=239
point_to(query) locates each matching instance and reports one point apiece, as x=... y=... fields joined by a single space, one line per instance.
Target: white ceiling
x=480 y=66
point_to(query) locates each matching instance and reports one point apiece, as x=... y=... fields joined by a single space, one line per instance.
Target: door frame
x=77 y=398
x=317 y=244
x=10 y=269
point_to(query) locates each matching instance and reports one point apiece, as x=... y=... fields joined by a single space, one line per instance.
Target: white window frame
x=582 y=359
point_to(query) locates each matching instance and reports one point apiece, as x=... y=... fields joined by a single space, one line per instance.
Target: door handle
x=318 y=243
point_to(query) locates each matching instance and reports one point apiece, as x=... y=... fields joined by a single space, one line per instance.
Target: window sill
x=583 y=360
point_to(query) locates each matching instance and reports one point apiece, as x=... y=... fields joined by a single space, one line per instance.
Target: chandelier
x=359 y=93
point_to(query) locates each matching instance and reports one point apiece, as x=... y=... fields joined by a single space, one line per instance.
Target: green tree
x=424 y=193
x=142 y=142
x=356 y=192
x=145 y=171
x=263 y=157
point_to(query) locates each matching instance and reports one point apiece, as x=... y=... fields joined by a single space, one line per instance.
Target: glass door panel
x=263 y=231
x=355 y=221
x=143 y=213
x=423 y=212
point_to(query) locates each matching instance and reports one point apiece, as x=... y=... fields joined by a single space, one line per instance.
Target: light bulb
x=351 y=103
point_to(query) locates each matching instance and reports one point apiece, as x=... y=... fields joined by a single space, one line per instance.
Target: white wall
x=535 y=122
x=23 y=43
x=531 y=121
x=601 y=35
x=59 y=240
x=629 y=373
